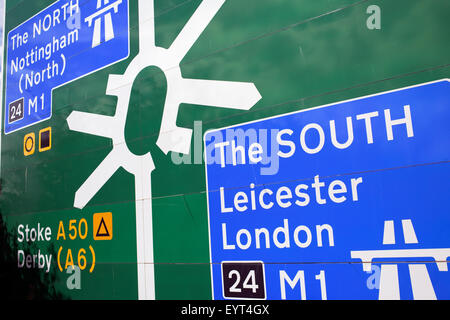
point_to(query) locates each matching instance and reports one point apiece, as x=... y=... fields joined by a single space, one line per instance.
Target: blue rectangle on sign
x=344 y=201
x=64 y=42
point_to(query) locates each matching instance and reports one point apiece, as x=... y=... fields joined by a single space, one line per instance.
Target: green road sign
x=107 y=199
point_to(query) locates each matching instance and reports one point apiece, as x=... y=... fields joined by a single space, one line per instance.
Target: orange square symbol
x=103 y=226
x=45 y=139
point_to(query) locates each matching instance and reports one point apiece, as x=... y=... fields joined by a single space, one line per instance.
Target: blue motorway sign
x=65 y=41
x=344 y=201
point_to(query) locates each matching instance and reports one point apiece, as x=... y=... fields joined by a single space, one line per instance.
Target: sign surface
x=106 y=199
x=64 y=42
x=344 y=201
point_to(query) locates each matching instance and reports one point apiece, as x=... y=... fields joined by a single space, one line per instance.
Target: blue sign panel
x=65 y=41
x=345 y=201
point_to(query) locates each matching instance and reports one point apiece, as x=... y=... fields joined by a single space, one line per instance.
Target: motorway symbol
x=96 y=17
x=389 y=281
